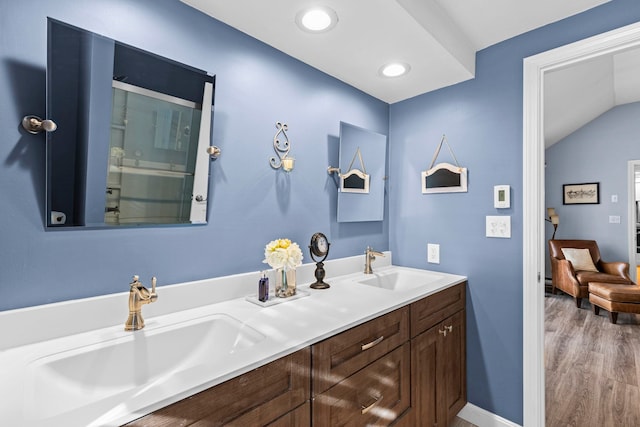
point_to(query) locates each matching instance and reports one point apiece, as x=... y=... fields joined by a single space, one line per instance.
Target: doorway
x=535 y=68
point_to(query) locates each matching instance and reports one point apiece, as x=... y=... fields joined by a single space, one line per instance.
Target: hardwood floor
x=459 y=422
x=592 y=366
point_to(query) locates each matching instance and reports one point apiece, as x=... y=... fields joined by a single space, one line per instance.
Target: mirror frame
x=79 y=167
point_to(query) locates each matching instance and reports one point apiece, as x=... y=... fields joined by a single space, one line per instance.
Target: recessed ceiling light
x=317 y=19
x=395 y=69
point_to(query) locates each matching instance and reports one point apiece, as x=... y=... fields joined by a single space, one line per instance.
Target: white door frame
x=631 y=215
x=533 y=215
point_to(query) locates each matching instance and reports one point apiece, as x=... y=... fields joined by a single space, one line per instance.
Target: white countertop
x=287 y=327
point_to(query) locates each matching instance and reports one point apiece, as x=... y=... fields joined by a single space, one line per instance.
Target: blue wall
x=251 y=203
x=597 y=152
x=257 y=86
x=482 y=119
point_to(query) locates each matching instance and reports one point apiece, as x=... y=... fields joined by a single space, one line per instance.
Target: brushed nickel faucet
x=138 y=296
x=370 y=255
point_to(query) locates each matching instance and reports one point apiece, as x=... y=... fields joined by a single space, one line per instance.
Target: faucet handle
x=153 y=284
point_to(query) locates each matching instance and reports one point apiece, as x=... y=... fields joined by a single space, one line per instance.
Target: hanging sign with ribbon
x=355 y=180
x=444 y=177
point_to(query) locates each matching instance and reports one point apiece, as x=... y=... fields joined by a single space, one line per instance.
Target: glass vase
x=285 y=282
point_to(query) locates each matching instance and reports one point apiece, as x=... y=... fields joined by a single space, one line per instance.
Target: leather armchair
x=576 y=282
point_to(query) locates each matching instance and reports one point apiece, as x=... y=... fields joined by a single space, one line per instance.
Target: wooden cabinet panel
x=438 y=364
x=299 y=417
x=454 y=364
x=433 y=309
x=340 y=356
x=376 y=395
x=255 y=398
x=424 y=369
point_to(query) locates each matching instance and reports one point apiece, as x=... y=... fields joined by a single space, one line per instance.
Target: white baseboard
x=483 y=418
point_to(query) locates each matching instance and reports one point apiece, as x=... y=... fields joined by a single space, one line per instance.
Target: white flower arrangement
x=282 y=253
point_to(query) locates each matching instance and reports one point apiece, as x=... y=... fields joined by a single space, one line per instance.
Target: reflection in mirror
x=355 y=180
x=133 y=130
x=362 y=200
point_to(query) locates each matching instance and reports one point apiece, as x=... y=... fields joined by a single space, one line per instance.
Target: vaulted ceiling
x=438 y=39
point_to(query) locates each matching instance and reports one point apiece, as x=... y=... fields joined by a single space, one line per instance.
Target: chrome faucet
x=138 y=296
x=370 y=255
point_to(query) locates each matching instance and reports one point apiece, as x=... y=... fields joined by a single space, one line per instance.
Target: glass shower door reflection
x=152 y=157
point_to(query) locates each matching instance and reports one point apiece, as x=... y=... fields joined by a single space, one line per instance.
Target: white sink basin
x=127 y=370
x=400 y=279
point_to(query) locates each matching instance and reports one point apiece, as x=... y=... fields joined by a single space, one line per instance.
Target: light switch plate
x=499 y=226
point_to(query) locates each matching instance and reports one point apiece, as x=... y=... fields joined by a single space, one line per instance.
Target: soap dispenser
x=263 y=288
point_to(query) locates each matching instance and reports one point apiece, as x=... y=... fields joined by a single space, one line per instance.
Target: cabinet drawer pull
x=372 y=343
x=446 y=330
x=366 y=409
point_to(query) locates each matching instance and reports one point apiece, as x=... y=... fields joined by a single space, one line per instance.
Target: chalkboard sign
x=444 y=178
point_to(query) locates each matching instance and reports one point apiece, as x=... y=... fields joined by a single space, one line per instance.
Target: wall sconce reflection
x=554 y=219
x=282 y=149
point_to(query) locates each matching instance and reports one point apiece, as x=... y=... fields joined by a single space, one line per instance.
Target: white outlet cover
x=433 y=253
x=499 y=226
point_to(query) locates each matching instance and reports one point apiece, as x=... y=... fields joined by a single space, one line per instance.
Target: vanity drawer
x=376 y=395
x=259 y=397
x=338 y=357
x=433 y=309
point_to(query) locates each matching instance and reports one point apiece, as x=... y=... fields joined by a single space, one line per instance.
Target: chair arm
x=566 y=275
x=617 y=268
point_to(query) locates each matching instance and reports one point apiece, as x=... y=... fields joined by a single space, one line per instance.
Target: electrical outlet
x=433 y=253
x=614 y=219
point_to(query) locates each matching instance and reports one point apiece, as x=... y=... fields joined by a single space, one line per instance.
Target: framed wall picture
x=581 y=194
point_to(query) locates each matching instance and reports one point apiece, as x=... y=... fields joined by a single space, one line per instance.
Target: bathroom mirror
x=363 y=158
x=133 y=131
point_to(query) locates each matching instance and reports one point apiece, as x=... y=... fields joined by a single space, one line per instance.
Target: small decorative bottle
x=263 y=288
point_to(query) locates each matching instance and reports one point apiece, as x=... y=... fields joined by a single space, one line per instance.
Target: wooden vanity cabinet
x=438 y=357
x=276 y=394
x=405 y=368
x=363 y=376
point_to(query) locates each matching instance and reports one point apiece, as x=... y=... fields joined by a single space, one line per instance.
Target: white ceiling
x=575 y=95
x=439 y=40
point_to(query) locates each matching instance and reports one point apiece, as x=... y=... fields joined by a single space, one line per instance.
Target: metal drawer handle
x=445 y=330
x=372 y=343
x=366 y=409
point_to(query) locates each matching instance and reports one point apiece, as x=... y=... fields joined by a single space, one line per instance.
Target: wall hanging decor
x=355 y=180
x=444 y=177
x=581 y=194
x=282 y=148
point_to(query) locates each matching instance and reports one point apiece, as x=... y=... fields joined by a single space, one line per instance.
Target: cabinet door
x=438 y=365
x=258 y=397
x=429 y=311
x=374 y=396
x=299 y=417
x=454 y=365
x=424 y=375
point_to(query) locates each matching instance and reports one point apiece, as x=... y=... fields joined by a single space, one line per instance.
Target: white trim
x=481 y=417
x=533 y=201
x=631 y=216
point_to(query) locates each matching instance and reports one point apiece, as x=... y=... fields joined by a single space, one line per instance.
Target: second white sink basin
x=132 y=367
x=400 y=279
